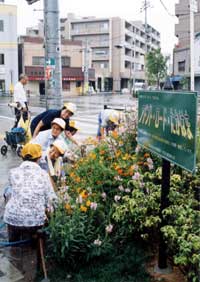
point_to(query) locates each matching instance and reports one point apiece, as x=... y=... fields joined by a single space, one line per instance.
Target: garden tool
x=46 y=279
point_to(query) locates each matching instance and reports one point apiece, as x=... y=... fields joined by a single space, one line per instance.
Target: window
x=66 y=85
x=62 y=28
x=66 y=61
x=2 y=61
x=1 y=25
x=181 y=66
x=38 y=61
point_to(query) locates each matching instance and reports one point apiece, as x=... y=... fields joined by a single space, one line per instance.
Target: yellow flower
x=72 y=174
x=83 y=208
x=68 y=208
x=88 y=203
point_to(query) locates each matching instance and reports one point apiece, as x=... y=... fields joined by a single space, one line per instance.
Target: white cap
x=60 y=145
x=60 y=122
x=70 y=107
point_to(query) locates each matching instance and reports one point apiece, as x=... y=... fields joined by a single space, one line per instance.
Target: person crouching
x=31 y=194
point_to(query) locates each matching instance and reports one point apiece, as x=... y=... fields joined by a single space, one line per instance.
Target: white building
x=8 y=47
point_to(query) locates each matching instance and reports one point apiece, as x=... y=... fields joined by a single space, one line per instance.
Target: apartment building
x=32 y=61
x=181 y=65
x=8 y=47
x=116 y=47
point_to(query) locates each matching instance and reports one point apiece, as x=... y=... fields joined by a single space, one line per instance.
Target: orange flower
x=77 y=179
x=120 y=171
x=146 y=155
x=114 y=134
x=102 y=152
x=84 y=194
x=72 y=174
x=68 y=208
x=83 y=208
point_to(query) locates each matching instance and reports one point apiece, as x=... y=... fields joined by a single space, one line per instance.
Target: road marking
x=7 y=117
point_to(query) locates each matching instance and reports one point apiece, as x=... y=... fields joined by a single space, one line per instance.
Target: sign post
x=167 y=123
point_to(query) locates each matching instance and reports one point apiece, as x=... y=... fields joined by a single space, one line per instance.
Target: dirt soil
x=175 y=276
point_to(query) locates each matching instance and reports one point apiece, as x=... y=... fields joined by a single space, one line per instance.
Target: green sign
x=167 y=124
x=50 y=62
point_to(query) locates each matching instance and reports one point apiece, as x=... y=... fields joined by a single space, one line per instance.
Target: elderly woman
x=31 y=195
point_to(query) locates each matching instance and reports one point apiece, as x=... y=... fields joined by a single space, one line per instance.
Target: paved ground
x=88 y=108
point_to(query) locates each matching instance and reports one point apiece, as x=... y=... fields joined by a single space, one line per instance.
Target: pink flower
x=93 y=206
x=150 y=163
x=103 y=195
x=121 y=188
x=137 y=149
x=117 y=198
x=97 y=242
x=127 y=190
x=109 y=228
x=136 y=176
x=117 y=177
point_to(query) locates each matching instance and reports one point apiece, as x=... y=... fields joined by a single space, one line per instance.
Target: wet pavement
x=88 y=107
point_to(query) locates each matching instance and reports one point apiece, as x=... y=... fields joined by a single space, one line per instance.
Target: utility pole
x=193 y=9
x=86 y=68
x=146 y=5
x=52 y=45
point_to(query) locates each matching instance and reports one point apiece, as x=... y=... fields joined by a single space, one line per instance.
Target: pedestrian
x=43 y=121
x=31 y=195
x=108 y=120
x=47 y=137
x=20 y=99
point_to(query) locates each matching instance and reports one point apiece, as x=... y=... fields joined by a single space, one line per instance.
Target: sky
x=159 y=17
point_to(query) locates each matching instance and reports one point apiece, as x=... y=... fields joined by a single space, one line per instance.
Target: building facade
x=181 y=65
x=32 y=61
x=116 y=47
x=8 y=47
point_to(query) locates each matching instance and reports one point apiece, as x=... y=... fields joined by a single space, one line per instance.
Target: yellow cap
x=72 y=123
x=33 y=150
x=60 y=145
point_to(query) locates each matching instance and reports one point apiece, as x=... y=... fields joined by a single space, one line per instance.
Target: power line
x=166 y=9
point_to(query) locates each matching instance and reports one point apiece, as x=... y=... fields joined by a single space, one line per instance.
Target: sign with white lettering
x=167 y=123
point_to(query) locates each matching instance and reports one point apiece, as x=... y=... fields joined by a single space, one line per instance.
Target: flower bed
x=111 y=197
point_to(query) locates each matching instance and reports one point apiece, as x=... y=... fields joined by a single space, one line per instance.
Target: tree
x=156 y=66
